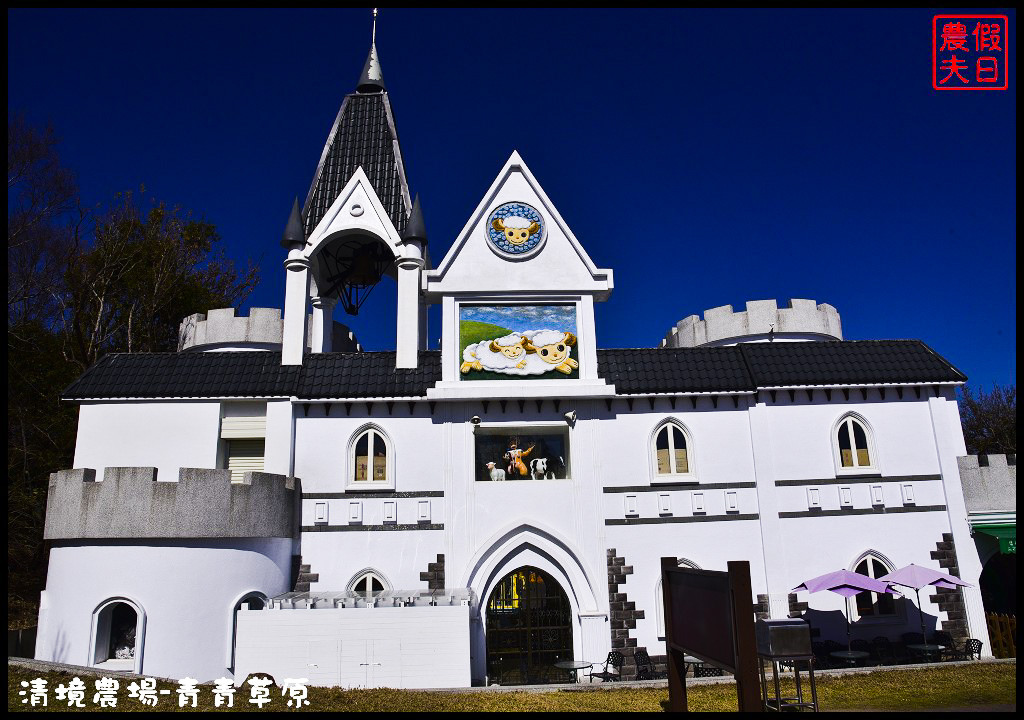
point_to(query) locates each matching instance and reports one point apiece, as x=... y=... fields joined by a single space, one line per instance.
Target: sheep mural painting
x=522 y=341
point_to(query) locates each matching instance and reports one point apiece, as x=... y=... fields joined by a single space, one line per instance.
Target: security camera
x=475 y=419
x=570 y=417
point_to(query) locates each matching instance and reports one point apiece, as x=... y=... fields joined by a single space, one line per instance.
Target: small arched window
x=370 y=459
x=369 y=583
x=853 y=445
x=870 y=604
x=672 y=451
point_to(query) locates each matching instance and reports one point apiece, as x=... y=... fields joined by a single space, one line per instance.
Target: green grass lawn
x=960 y=686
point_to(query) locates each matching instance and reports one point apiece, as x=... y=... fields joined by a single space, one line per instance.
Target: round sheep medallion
x=515 y=229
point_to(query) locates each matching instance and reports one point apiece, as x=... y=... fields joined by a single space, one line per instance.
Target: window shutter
x=245 y=455
x=243 y=427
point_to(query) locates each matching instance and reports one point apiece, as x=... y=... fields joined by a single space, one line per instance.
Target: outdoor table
x=573 y=666
x=690 y=662
x=927 y=650
x=850 y=656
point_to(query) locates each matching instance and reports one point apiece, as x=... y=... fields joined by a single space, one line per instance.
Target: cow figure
x=539 y=469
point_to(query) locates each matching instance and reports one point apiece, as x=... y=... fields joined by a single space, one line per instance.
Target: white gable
x=558 y=265
x=356 y=209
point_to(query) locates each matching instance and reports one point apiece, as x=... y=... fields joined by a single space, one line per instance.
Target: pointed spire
x=293 y=234
x=416 y=229
x=372 y=79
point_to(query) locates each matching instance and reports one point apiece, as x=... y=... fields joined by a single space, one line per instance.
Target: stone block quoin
x=202 y=503
x=622 y=613
x=434 y=574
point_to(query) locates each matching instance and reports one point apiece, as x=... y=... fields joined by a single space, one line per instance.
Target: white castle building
x=271 y=498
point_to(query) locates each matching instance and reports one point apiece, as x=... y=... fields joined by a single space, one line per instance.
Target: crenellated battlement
x=263 y=326
x=202 y=503
x=800 y=320
x=989 y=482
x=262 y=330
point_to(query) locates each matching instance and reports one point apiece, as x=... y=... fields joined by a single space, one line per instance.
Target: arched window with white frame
x=672 y=451
x=854 y=447
x=659 y=601
x=370 y=459
x=369 y=583
x=871 y=604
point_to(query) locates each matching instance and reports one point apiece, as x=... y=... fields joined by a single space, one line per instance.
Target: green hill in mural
x=472 y=331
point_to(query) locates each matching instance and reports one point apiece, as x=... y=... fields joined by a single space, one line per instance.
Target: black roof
x=363 y=135
x=862 y=362
x=744 y=367
x=186 y=374
x=641 y=370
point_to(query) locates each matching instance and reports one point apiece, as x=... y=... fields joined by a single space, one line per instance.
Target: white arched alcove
x=100 y=635
x=250 y=599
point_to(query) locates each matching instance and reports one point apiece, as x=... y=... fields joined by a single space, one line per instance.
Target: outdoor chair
x=912 y=638
x=702 y=671
x=881 y=650
x=941 y=637
x=822 y=659
x=645 y=666
x=971 y=650
x=611 y=672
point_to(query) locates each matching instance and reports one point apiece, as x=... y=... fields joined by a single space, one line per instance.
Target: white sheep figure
x=552 y=349
x=507 y=355
x=517 y=230
x=497 y=474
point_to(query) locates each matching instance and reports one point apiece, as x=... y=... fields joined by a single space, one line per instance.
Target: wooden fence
x=1002 y=631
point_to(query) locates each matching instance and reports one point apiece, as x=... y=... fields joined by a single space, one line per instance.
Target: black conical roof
x=293 y=233
x=372 y=79
x=363 y=135
x=416 y=229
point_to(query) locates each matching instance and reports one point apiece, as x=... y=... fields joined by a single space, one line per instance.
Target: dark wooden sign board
x=710 y=615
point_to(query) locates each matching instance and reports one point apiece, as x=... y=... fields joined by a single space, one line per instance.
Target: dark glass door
x=529 y=629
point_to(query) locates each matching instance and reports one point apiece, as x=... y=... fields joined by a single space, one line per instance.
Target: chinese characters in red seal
x=969 y=52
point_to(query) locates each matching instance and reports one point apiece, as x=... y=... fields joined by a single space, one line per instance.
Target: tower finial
x=372 y=80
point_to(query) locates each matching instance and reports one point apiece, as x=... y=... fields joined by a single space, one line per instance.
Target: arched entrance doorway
x=529 y=629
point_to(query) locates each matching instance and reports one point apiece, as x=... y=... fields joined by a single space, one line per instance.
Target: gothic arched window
x=853 y=444
x=369 y=583
x=870 y=604
x=371 y=461
x=672 y=451
x=659 y=602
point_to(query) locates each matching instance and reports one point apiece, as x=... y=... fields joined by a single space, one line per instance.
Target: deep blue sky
x=756 y=154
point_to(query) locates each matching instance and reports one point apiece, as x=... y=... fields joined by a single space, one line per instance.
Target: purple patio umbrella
x=846 y=583
x=917 y=577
